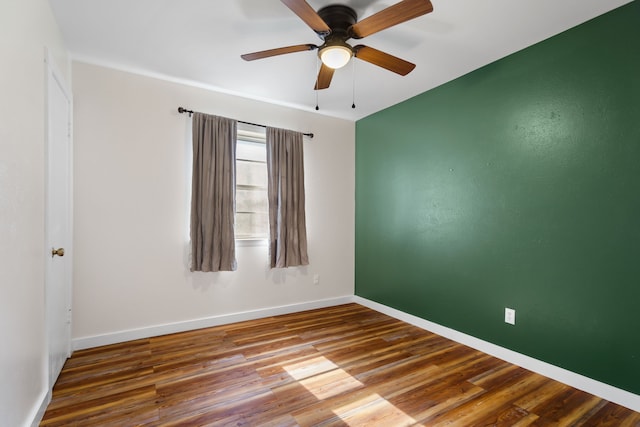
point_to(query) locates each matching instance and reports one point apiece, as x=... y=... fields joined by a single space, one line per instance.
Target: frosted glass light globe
x=335 y=56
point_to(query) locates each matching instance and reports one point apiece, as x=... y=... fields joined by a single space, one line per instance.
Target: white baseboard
x=38 y=413
x=597 y=388
x=188 y=325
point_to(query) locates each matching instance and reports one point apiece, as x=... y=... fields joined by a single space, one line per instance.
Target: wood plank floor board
x=170 y=350
x=120 y=362
x=569 y=407
x=339 y=366
x=492 y=403
x=611 y=415
x=105 y=409
x=446 y=400
x=539 y=396
x=361 y=366
x=422 y=399
x=66 y=397
x=327 y=341
x=508 y=416
x=207 y=410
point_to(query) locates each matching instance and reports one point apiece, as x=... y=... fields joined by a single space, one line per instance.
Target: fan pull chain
x=353 y=105
x=316 y=86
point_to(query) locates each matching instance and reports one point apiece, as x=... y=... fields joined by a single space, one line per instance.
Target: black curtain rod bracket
x=182 y=110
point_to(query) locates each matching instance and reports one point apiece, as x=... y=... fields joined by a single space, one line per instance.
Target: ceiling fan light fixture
x=335 y=56
x=337 y=23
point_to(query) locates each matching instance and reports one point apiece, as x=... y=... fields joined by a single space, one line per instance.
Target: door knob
x=59 y=252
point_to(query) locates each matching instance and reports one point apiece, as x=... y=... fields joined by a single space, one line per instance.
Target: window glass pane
x=249 y=173
x=252 y=225
x=251 y=151
x=251 y=200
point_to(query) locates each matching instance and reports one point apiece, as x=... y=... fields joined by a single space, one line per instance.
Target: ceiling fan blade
x=324 y=77
x=384 y=60
x=393 y=15
x=308 y=15
x=279 y=51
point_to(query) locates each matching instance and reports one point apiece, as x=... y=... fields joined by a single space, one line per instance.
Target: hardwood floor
x=340 y=366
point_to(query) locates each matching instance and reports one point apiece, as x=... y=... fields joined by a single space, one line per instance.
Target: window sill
x=252 y=242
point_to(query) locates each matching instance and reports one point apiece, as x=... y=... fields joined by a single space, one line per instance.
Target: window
x=252 y=211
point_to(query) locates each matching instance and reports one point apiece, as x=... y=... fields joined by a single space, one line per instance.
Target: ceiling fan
x=335 y=24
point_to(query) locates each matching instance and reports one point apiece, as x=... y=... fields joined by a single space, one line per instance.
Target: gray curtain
x=287 y=225
x=213 y=193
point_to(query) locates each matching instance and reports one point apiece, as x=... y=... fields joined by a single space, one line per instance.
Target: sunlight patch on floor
x=373 y=410
x=310 y=367
x=324 y=379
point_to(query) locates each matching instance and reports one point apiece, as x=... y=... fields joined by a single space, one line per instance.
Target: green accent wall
x=517 y=185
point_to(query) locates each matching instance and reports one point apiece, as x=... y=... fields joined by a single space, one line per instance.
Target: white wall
x=26 y=28
x=131 y=227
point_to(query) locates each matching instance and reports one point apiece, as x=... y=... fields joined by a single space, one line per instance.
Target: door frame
x=54 y=76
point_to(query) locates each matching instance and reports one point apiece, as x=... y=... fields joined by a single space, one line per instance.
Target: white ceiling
x=200 y=42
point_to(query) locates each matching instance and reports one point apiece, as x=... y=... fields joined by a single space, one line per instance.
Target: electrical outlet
x=316 y=279
x=510 y=316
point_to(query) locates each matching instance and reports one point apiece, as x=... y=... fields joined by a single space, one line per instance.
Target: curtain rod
x=190 y=112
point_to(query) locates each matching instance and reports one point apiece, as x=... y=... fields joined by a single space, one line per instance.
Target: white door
x=58 y=222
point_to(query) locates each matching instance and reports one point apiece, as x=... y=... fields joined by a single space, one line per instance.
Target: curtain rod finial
x=184 y=110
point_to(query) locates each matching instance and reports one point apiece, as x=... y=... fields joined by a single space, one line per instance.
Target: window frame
x=254 y=135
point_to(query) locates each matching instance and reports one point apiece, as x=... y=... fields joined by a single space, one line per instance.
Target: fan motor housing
x=339 y=18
